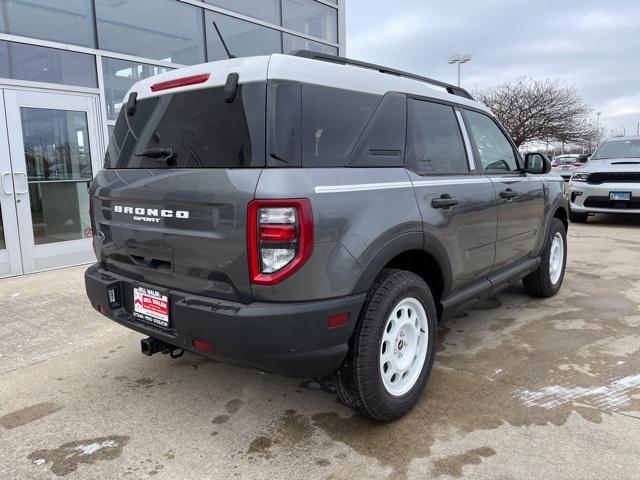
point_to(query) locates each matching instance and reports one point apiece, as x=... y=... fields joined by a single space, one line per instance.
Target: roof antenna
x=224 y=44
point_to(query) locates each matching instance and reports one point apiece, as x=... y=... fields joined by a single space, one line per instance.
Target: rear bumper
x=590 y=198
x=286 y=338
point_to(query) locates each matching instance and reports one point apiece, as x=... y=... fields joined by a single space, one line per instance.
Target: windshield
x=618 y=149
x=193 y=129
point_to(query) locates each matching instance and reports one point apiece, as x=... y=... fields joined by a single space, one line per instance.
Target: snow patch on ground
x=94 y=447
x=616 y=394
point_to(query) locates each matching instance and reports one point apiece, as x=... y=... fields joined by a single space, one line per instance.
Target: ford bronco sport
x=309 y=214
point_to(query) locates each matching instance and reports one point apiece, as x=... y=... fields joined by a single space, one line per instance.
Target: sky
x=592 y=45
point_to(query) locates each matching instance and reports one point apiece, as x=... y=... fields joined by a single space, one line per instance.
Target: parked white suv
x=609 y=183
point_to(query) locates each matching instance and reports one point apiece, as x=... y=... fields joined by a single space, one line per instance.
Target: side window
x=496 y=152
x=332 y=121
x=435 y=141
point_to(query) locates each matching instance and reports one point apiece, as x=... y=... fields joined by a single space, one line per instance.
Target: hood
x=611 y=165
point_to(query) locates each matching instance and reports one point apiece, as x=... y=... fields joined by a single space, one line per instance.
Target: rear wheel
x=391 y=356
x=547 y=279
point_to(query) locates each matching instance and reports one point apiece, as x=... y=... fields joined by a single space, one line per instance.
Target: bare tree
x=540 y=111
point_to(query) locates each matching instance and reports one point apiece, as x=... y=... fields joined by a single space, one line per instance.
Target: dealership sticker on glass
x=623 y=196
x=151 y=306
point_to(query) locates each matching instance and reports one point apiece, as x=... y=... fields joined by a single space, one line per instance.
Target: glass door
x=53 y=145
x=10 y=262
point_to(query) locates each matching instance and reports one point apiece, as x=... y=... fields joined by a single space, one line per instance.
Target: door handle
x=508 y=194
x=2 y=177
x=445 y=201
x=26 y=183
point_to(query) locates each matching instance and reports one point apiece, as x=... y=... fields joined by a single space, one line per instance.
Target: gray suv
x=309 y=214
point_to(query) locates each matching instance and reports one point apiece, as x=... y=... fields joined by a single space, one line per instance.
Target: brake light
x=554 y=164
x=180 y=82
x=279 y=238
x=578 y=164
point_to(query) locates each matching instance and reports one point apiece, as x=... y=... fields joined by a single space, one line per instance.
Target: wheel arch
x=414 y=252
x=561 y=214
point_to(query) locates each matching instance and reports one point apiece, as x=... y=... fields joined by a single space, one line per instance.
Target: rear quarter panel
x=354 y=217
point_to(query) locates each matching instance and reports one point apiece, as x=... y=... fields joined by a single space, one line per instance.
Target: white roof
x=288 y=67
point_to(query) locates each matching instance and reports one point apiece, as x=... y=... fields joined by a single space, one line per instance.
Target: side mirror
x=536 y=163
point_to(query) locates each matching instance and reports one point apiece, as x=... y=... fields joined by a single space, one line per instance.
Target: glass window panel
x=42 y=64
x=292 y=42
x=244 y=39
x=267 y=10
x=332 y=122
x=119 y=77
x=158 y=29
x=436 y=144
x=311 y=18
x=58 y=157
x=66 y=21
x=496 y=152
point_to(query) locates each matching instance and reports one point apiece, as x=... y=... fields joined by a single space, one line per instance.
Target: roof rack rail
x=326 y=57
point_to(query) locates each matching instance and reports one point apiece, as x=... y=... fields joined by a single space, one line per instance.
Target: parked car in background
x=565 y=165
x=610 y=183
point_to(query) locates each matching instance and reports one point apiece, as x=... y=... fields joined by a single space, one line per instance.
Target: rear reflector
x=277 y=233
x=339 y=320
x=202 y=345
x=180 y=82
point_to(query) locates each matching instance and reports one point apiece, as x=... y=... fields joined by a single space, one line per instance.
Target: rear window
x=566 y=160
x=194 y=129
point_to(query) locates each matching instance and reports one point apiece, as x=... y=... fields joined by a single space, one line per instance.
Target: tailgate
x=183 y=229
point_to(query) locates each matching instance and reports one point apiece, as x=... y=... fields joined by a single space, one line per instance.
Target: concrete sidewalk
x=522 y=388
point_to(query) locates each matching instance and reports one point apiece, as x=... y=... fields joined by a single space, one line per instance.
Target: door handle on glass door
x=26 y=183
x=2 y=177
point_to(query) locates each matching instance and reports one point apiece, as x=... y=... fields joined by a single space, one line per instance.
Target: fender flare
x=559 y=204
x=406 y=242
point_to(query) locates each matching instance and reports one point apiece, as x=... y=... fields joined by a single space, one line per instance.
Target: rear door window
x=193 y=129
x=435 y=143
x=495 y=151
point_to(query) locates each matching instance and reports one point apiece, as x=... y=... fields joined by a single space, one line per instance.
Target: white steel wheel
x=404 y=345
x=556 y=258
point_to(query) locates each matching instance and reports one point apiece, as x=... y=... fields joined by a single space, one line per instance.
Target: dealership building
x=65 y=66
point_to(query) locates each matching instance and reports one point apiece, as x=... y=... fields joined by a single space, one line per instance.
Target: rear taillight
x=279 y=238
x=578 y=164
x=554 y=164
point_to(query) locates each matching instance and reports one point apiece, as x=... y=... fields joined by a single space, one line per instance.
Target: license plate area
x=151 y=306
x=620 y=196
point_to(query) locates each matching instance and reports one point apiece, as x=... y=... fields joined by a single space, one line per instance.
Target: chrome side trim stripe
x=451 y=181
x=362 y=187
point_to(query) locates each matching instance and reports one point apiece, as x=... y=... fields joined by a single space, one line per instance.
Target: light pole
x=459 y=59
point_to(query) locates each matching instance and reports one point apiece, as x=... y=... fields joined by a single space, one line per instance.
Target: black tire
x=539 y=283
x=358 y=381
x=578 y=217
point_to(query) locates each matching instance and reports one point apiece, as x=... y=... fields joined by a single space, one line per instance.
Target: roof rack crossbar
x=326 y=57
